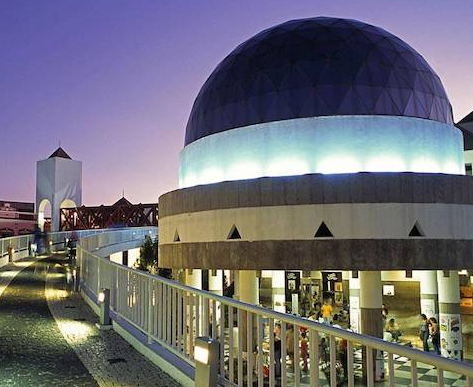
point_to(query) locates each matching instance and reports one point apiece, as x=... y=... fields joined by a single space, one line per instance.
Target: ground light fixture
x=206 y=361
x=103 y=299
x=76 y=278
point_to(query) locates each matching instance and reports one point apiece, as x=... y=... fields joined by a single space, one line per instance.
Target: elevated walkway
x=49 y=337
x=161 y=318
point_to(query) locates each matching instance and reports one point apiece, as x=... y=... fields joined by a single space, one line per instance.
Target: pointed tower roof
x=59 y=152
x=122 y=202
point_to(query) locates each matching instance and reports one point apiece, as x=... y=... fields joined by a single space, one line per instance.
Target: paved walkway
x=59 y=345
x=32 y=349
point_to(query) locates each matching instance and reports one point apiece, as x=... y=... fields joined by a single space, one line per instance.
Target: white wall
x=133 y=255
x=349 y=221
x=58 y=179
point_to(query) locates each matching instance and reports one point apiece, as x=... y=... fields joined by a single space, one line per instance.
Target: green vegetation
x=148 y=260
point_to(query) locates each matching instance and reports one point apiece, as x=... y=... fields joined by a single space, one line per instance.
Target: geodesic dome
x=317 y=67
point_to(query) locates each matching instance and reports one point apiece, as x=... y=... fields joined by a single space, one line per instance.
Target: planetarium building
x=323 y=151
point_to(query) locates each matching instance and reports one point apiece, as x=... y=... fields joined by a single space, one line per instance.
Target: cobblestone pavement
x=108 y=357
x=32 y=350
x=9 y=271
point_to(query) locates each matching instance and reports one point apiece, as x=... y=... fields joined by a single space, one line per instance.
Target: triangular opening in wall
x=416 y=231
x=234 y=233
x=323 y=231
x=176 y=237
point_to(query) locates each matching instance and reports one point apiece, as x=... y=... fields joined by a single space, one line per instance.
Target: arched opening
x=44 y=214
x=68 y=203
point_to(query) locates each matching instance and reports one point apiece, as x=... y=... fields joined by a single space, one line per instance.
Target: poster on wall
x=427 y=307
x=293 y=284
x=450 y=335
x=355 y=313
x=329 y=279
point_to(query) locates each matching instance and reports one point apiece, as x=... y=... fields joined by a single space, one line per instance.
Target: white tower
x=59 y=183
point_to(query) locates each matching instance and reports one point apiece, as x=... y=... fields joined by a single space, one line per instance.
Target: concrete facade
x=370 y=217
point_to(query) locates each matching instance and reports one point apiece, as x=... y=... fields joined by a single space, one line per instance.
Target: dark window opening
x=176 y=237
x=416 y=231
x=234 y=233
x=323 y=231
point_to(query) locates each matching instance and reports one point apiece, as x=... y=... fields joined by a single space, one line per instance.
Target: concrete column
x=371 y=320
x=429 y=293
x=215 y=282
x=194 y=279
x=248 y=286
x=354 y=302
x=449 y=314
x=371 y=299
x=248 y=292
x=55 y=215
x=278 y=285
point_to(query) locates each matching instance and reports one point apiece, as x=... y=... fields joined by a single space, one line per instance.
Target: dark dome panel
x=317 y=67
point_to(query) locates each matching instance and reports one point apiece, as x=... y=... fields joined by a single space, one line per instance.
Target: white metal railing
x=173 y=315
x=17 y=247
x=12 y=246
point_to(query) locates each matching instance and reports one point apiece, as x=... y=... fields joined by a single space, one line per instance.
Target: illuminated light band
x=332 y=144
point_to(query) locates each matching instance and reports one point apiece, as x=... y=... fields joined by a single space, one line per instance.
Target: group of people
x=303 y=347
x=429 y=329
x=324 y=314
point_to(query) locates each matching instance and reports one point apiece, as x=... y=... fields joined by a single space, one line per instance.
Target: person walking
x=424 y=332
x=327 y=311
x=435 y=334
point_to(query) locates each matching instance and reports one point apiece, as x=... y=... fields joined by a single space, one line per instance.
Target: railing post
x=333 y=361
x=369 y=367
x=150 y=311
x=349 y=371
x=272 y=357
x=222 y=340
x=241 y=334
x=260 y=334
x=249 y=346
x=283 y=354
x=314 y=354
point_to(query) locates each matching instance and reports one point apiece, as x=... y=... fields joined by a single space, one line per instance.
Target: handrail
x=153 y=304
x=371 y=341
x=14 y=247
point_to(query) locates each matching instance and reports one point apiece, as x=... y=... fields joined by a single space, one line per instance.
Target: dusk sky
x=114 y=81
